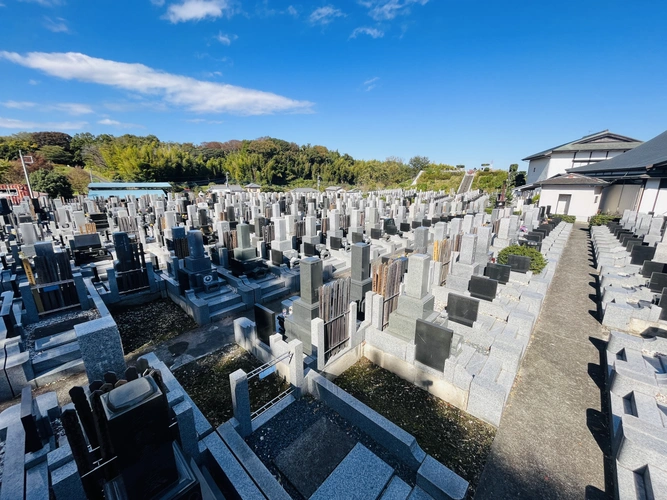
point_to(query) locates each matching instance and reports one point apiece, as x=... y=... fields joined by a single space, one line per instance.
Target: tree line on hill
x=266 y=161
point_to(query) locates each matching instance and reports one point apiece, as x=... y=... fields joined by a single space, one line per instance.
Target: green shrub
x=602 y=219
x=566 y=218
x=517 y=212
x=537 y=262
x=488 y=210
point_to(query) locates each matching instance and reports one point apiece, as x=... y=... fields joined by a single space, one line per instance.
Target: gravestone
x=641 y=253
x=405 y=227
x=498 y=272
x=309 y=250
x=519 y=263
x=335 y=243
x=658 y=282
x=663 y=305
x=265 y=319
x=649 y=267
x=416 y=224
x=462 y=310
x=376 y=234
x=482 y=288
x=357 y=237
x=276 y=257
x=432 y=344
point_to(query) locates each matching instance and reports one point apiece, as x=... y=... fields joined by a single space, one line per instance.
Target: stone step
x=397 y=489
x=223 y=302
x=272 y=285
x=361 y=475
x=52 y=358
x=55 y=340
x=275 y=295
x=60 y=372
x=228 y=311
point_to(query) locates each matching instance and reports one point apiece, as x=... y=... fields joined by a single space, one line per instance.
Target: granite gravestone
x=663 y=305
x=432 y=344
x=335 y=243
x=265 y=319
x=376 y=234
x=649 y=267
x=309 y=250
x=483 y=288
x=641 y=253
x=276 y=257
x=498 y=272
x=658 y=282
x=462 y=310
x=416 y=224
x=405 y=227
x=519 y=263
x=357 y=237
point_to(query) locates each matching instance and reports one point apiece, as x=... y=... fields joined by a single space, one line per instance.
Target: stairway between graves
x=56 y=356
x=273 y=288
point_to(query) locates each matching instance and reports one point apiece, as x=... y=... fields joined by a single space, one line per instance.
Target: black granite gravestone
x=309 y=250
x=657 y=282
x=276 y=257
x=432 y=344
x=357 y=237
x=461 y=309
x=404 y=227
x=631 y=242
x=426 y=222
x=335 y=243
x=482 y=288
x=534 y=236
x=649 y=267
x=641 y=253
x=376 y=234
x=416 y=224
x=663 y=305
x=265 y=319
x=519 y=263
x=498 y=272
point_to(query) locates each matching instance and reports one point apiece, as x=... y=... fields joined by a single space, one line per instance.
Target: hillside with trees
x=266 y=161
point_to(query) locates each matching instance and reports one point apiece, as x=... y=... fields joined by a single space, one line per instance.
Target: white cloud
x=116 y=123
x=292 y=11
x=225 y=39
x=71 y=108
x=59 y=25
x=324 y=15
x=18 y=104
x=195 y=10
x=371 y=83
x=202 y=120
x=157 y=3
x=385 y=10
x=33 y=82
x=27 y=125
x=372 y=32
x=177 y=90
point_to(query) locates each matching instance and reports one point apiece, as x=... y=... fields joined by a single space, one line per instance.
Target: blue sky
x=462 y=82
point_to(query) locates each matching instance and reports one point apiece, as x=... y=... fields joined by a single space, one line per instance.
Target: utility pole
x=29 y=161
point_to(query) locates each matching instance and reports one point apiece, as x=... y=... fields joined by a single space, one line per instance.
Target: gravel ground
x=272 y=438
x=151 y=323
x=207 y=382
x=451 y=436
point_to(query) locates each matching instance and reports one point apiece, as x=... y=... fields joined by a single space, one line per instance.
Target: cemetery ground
x=206 y=381
x=453 y=437
x=152 y=323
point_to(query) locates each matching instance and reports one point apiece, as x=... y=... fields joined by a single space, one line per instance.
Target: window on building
x=596 y=198
x=534 y=169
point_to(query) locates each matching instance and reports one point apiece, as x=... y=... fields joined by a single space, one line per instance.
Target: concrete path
x=547 y=444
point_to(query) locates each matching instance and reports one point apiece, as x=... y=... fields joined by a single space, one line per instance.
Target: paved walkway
x=546 y=444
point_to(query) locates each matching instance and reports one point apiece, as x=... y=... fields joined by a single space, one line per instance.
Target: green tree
x=520 y=179
x=419 y=162
x=52 y=183
x=56 y=154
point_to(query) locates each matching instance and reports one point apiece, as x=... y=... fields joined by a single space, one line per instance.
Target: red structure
x=14 y=192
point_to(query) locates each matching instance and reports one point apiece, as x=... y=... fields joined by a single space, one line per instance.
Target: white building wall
x=537 y=170
x=584 y=200
x=650 y=195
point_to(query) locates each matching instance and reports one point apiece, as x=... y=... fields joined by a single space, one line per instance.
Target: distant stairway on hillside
x=466 y=182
